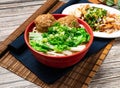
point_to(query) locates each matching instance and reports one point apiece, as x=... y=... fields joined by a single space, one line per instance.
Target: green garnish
x=94 y=16
x=58 y=38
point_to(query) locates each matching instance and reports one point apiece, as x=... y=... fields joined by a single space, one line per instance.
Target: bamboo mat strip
x=79 y=77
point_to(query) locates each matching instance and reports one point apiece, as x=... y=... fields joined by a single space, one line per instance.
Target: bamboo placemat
x=79 y=77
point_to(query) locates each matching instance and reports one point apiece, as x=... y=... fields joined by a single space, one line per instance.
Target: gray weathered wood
x=15 y=12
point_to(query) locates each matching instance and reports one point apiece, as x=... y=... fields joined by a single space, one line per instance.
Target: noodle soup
x=61 y=46
x=64 y=36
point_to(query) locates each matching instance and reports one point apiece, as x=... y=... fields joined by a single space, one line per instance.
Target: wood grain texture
x=14 y=12
x=79 y=77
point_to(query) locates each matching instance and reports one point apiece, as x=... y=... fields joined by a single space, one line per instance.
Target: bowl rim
x=57 y=57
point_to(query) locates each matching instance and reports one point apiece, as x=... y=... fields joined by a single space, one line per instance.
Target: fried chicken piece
x=70 y=21
x=44 y=21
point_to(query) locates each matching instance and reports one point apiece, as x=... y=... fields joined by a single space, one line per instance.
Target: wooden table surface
x=15 y=12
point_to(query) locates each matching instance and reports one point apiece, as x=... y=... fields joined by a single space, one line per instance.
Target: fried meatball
x=44 y=21
x=70 y=21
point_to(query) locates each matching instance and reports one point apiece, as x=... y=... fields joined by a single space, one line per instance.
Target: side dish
x=61 y=37
x=98 y=18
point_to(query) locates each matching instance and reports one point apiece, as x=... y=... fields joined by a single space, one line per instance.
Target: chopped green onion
x=60 y=37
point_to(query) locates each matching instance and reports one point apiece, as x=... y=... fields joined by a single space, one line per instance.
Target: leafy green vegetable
x=110 y=2
x=58 y=38
x=118 y=4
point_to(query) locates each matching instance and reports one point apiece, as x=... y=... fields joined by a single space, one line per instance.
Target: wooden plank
x=45 y=8
x=20 y=4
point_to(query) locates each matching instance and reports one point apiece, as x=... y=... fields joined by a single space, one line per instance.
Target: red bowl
x=59 y=61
